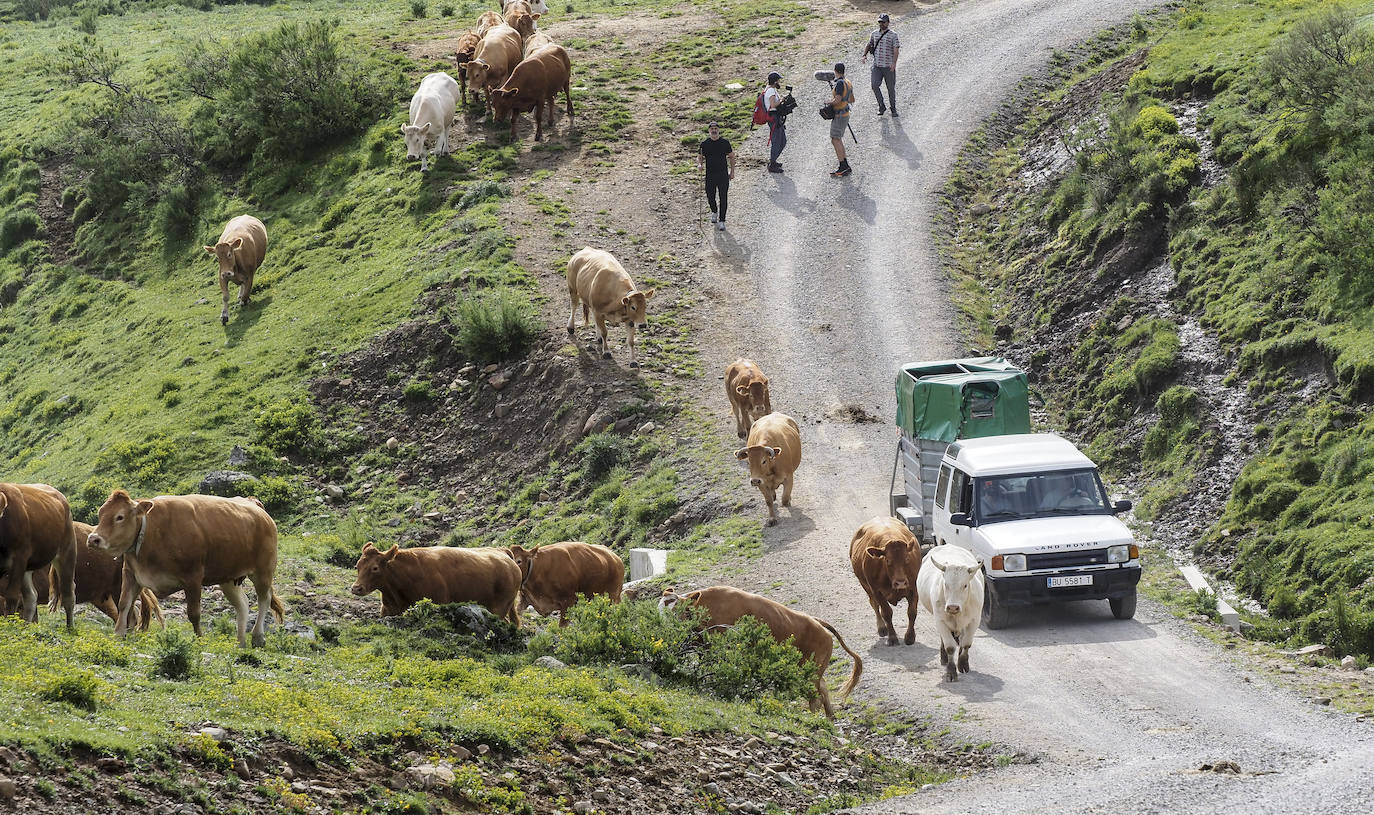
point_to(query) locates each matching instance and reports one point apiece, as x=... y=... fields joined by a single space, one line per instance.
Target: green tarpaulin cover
x=962 y=399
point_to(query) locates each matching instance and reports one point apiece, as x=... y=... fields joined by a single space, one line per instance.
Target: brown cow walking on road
x=185 y=542
x=773 y=451
x=443 y=574
x=747 y=389
x=887 y=558
x=552 y=576
x=724 y=605
x=35 y=532
x=240 y=251
x=605 y=291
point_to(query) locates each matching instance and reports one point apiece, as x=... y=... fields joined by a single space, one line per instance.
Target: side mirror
x=961 y=519
x=1121 y=506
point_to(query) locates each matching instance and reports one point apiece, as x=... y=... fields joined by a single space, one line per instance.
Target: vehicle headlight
x=1119 y=554
x=1014 y=563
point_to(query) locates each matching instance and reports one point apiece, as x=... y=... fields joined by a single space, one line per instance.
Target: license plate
x=1070 y=580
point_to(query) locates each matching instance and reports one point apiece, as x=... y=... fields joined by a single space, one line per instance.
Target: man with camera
x=843 y=91
x=777 y=120
x=884 y=45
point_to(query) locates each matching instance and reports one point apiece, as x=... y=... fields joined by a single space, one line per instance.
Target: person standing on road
x=884 y=45
x=777 y=126
x=717 y=158
x=844 y=96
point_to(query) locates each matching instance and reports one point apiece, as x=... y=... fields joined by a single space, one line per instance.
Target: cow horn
x=937 y=564
x=742 y=453
x=210 y=249
x=774 y=452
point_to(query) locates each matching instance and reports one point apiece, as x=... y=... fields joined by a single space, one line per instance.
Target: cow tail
x=854 y=675
x=150 y=608
x=277 y=608
x=54 y=597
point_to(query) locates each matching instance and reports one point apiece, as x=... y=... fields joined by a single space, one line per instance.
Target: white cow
x=952 y=592
x=431 y=115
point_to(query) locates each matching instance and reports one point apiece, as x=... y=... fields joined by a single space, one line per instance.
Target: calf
x=176 y=543
x=431 y=115
x=725 y=606
x=500 y=50
x=552 y=576
x=747 y=389
x=35 y=533
x=534 y=83
x=240 y=251
x=953 y=592
x=604 y=289
x=774 y=452
x=99 y=578
x=520 y=16
x=886 y=558
x=443 y=574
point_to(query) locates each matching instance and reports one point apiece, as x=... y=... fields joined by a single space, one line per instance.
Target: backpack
x=761 y=116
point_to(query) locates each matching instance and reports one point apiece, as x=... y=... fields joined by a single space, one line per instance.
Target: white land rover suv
x=1033 y=510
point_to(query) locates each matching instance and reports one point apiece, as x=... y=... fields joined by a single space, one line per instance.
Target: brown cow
x=35 y=532
x=500 y=50
x=98 y=581
x=887 y=558
x=725 y=605
x=184 y=542
x=467 y=49
x=536 y=41
x=443 y=574
x=520 y=17
x=240 y=250
x=747 y=389
x=603 y=287
x=534 y=83
x=552 y=576
x=774 y=453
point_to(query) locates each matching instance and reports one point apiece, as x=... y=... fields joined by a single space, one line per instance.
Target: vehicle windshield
x=1063 y=492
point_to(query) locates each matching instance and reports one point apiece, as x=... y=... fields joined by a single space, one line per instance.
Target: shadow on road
x=854 y=200
x=793 y=527
x=911 y=657
x=732 y=251
x=785 y=197
x=1081 y=622
x=895 y=140
x=974 y=686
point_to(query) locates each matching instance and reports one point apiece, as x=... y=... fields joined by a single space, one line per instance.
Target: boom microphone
x=825 y=76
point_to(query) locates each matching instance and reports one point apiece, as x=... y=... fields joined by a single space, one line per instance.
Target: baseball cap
x=774 y=76
x=882 y=18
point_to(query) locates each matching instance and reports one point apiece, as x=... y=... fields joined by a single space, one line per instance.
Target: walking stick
x=851 y=132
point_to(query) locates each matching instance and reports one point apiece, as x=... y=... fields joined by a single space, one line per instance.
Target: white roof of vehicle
x=1021 y=453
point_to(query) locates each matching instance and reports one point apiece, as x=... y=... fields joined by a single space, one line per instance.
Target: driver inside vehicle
x=993 y=500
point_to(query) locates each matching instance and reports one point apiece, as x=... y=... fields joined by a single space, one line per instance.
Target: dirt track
x=830 y=284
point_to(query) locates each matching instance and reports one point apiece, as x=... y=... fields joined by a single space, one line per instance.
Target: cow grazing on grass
x=240 y=251
x=552 y=576
x=520 y=16
x=953 y=592
x=185 y=542
x=773 y=451
x=747 y=389
x=725 y=606
x=99 y=578
x=887 y=558
x=35 y=533
x=534 y=83
x=443 y=574
x=601 y=285
x=500 y=50
x=431 y=116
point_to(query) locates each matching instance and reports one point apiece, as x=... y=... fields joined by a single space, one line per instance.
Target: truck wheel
x=1123 y=608
x=995 y=615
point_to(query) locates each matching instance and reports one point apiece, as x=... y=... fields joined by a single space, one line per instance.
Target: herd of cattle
x=143 y=550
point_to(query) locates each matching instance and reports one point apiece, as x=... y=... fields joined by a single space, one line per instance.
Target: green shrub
x=1204 y=602
x=418 y=390
x=176 y=656
x=446 y=10
x=745 y=662
x=631 y=632
x=479 y=191
x=1283 y=603
x=287 y=427
x=600 y=453
x=18 y=227
x=419 y=8
x=496 y=327
x=74 y=687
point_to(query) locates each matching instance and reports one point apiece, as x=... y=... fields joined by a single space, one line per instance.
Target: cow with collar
x=552 y=576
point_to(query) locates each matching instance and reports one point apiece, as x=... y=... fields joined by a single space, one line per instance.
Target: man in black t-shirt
x=718 y=159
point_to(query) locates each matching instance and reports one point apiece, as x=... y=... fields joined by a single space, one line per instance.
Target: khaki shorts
x=839 y=124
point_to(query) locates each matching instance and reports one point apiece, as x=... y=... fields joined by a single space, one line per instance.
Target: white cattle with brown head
x=603 y=288
x=951 y=588
x=747 y=389
x=240 y=250
x=773 y=451
x=500 y=50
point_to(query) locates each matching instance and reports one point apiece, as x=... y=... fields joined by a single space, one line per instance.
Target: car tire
x=1123 y=608
x=995 y=615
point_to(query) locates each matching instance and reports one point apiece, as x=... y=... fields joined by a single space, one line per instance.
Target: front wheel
x=1123 y=608
x=995 y=615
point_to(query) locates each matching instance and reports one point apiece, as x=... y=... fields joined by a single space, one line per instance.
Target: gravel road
x=830 y=284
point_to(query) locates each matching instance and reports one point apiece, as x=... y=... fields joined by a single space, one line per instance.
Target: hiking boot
x=841 y=171
x=721 y=226
x=774 y=167
x=714 y=217
x=894 y=113
x=881 y=111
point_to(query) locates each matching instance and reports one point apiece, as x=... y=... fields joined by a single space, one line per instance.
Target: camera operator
x=843 y=91
x=717 y=158
x=777 y=124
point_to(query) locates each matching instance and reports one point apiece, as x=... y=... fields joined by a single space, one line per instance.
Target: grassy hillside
x=1232 y=141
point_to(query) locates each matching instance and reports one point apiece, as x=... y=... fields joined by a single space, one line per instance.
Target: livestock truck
x=1030 y=506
